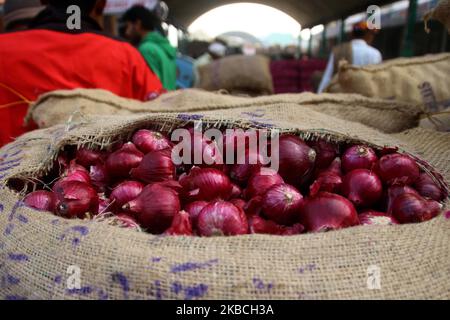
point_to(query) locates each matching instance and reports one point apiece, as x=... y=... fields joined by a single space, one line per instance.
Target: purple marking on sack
x=22 y=218
x=54 y=221
x=15 y=297
x=308 y=267
x=192 y=265
x=12 y=280
x=195 y=291
x=19 y=257
x=13 y=161
x=16 y=206
x=9 y=167
x=260 y=285
x=82 y=230
x=82 y=291
x=176 y=287
x=187 y=117
x=57 y=279
x=120 y=278
x=102 y=295
x=253 y=114
x=1 y=208
x=156 y=259
x=261 y=124
x=9 y=228
x=158 y=293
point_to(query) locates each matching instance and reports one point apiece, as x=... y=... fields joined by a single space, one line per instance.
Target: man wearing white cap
x=18 y=13
x=216 y=50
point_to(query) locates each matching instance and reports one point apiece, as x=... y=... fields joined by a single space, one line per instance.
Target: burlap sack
x=238 y=74
x=440 y=13
x=418 y=80
x=439 y=121
x=38 y=248
x=64 y=106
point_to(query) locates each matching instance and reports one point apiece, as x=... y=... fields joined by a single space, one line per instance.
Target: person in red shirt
x=50 y=56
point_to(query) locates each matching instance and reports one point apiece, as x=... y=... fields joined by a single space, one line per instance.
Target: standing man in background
x=19 y=13
x=142 y=29
x=358 y=52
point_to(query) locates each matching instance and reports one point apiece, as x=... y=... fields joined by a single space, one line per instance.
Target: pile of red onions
x=320 y=186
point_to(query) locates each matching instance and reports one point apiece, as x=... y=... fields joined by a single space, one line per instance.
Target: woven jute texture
x=64 y=106
x=440 y=13
x=439 y=121
x=37 y=248
x=419 y=80
x=238 y=74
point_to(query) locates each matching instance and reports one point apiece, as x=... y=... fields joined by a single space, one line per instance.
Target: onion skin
x=238 y=203
x=148 y=141
x=326 y=152
x=259 y=225
x=99 y=177
x=156 y=166
x=181 y=225
x=222 y=218
x=397 y=169
x=242 y=170
x=76 y=172
x=41 y=200
x=358 y=157
x=125 y=221
x=104 y=205
x=329 y=180
x=208 y=150
x=236 y=192
x=296 y=159
x=362 y=187
x=327 y=211
x=194 y=209
x=395 y=191
x=87 y=157
x=120 y=162
x=155 y=207
x=125 y=192
x=371 y=217
x=427 y=188
x=75 y=199
x=281 y=203
x=261 y=181
x=205 y=184
x=411 y=208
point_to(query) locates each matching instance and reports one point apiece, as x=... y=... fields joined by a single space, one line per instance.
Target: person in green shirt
x=143 y=29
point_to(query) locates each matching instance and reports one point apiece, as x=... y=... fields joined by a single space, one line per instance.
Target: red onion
x=156 y=166
x=247 y=164
x=194 y=209
x=394 y=191
x=87 y=157
x=254 y=206
x=427 y=188
x=408 y=208
x=41 y=200
x=397 y=169
x=326 y=152
x=148 y=141
x=181 y=225
x=371 y=217
x=155 y=207
x=222 y=218
x=362 y=187
x=125 y=221
x=329 y=180
x=99 y=177
x=75 y=199
x=120 y=162
x=263 y=226
x=205 y=184
x=261 y=181
x=358 y=157
x=238 y=203
x=327 y=211
x=76 y=172
x=104 y=205
x=238 y=138
x=125 y=192
x=296 y=159
x=205 y=147
x=236 y=191
x=281 y=203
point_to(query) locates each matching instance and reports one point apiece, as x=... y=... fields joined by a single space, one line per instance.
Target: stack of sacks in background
x=119 y=263
x=238 y=75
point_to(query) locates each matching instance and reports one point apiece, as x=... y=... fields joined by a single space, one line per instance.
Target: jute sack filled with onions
x=418 y=80
x=66 y=106
x=125 y=256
